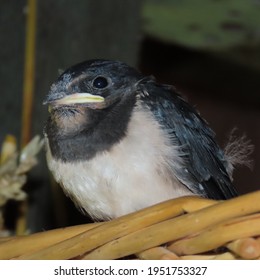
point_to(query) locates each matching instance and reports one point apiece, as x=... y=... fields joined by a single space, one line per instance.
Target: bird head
x=91 y=103
x=95 y=84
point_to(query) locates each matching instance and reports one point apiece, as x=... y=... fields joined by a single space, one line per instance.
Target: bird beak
x=75 y=98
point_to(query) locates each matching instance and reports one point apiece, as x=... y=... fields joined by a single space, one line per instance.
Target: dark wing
x=205 y=171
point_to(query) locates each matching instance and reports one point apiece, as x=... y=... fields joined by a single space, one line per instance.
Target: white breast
x=134 y=174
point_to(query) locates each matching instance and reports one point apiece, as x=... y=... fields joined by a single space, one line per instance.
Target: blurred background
x=208 y=49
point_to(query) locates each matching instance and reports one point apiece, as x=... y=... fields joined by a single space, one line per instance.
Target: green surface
x=204 y=24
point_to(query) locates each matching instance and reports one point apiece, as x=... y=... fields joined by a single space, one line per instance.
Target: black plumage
x=81 y=130
x=205 y=172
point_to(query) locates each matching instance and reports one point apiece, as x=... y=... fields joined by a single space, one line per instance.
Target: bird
x=118 y=141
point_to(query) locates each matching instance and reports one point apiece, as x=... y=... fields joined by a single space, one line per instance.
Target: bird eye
x=100 y=82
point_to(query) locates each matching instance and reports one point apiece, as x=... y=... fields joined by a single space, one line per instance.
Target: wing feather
x=204 y=171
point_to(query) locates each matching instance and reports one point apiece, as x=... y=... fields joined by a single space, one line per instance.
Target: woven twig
x=14 y=247
x=218 y=235
x=183 y=228
x=177 y=228
x=246 y=248
x=123 y=226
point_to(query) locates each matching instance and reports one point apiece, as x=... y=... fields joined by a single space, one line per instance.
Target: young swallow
x=117 y=141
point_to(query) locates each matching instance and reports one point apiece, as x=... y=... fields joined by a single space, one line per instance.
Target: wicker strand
x=218 y=235
x=183 y=228
x=157 y=253
x=246 y=248
x=23 y=245
x=177 y=228
x=89 y=240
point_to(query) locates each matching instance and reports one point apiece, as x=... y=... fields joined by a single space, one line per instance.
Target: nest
x=182 y=228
